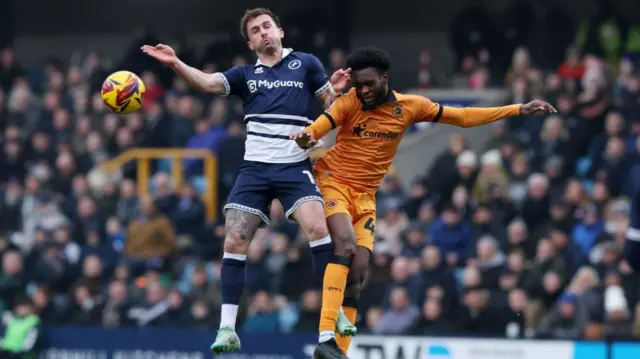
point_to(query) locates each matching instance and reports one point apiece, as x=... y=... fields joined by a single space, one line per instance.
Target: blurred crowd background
x=521 y=239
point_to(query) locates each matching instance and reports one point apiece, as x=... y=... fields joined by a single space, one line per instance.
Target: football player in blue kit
x=277 y=92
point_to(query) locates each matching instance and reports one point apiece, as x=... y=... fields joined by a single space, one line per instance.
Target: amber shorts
x=361 y=207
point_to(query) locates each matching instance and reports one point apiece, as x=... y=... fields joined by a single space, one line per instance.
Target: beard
x=378 y=97
x=270 y=48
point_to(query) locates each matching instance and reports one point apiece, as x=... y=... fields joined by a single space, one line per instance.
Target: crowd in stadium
x=522 y=239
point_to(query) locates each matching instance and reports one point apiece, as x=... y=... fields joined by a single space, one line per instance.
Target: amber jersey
x=368 y=139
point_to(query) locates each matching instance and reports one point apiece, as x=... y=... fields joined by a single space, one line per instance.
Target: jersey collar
x=285 y=53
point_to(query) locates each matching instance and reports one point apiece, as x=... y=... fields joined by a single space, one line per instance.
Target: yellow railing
x=144 y=156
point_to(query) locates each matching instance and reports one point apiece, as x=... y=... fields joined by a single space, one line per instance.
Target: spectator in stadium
x=309 y=315
x=535 y=207
x=116 y=305
x=490 y=261
x=400 y=317
x=435 y=273
x=86 y=303
x=150 y=235
x=178 y=312
x=152 y=311
x=566 y=320
x=491 y=176
x=263 y=317
x=23 y=330
x=208 y=136
x=453 y=235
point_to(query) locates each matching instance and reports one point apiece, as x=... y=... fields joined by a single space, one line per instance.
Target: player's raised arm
x=339 y=82
x=195 y=78
x=324 y=88
x=477 y=116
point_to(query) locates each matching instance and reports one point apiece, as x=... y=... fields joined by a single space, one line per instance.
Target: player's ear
x=250 y=45
x=281 y=32
x=385 y=78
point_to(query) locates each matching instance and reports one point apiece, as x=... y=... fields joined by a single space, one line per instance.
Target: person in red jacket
x=572 y=68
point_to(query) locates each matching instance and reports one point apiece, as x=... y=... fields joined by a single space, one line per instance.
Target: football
x=122 y=92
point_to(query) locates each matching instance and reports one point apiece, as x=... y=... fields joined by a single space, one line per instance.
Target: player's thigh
x=365 y=228
x=342 y=234
x=294 y=185
x=251 y=193
x=240 y=227
x=310 y=216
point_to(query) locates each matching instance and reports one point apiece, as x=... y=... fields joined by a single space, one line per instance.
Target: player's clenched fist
x=162 y=53
x=304 y=140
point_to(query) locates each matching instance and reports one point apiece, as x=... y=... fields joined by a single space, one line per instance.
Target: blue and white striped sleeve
x=233 y=80
x=317 y=77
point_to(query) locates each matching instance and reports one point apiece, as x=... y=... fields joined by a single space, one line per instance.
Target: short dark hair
x=368 y=57
x=252 y=14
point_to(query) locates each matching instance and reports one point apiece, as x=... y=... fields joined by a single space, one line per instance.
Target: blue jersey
x=277 y=102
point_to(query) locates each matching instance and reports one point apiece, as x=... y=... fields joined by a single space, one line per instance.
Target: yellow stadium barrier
x=144 y=156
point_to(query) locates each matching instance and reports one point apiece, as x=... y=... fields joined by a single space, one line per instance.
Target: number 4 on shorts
x=369 y=226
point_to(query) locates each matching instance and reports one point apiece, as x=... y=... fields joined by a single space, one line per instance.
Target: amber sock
x=334 y=284
x=344 y=342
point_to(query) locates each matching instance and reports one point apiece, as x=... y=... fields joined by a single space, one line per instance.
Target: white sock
x=341 y=311
x=319 y=242
x=326 y=335
x=228 y=315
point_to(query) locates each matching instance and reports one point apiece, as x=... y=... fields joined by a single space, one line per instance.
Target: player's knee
x=359 y=270
x=235 y=243
x=317 y=230
x=344 y=244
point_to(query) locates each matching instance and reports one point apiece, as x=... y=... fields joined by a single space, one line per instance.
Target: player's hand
x=537 y=107
x=162 y=53
x=304 y=140
x=340 y=80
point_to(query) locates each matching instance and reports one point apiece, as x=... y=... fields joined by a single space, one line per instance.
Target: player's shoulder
x=303 y=55
x=410 y=98
x=349 y=99
x=239 y=69
x=413 y=102
x=305 y=58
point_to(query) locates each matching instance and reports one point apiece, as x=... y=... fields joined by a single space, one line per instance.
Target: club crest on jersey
x=331 y=204
x=295 y=64
x=397 y=110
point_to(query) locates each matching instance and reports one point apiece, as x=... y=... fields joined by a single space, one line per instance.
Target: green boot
x=226 y=341
x=344 y=326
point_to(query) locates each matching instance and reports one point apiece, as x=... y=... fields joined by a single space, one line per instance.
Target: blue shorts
x=258 y=184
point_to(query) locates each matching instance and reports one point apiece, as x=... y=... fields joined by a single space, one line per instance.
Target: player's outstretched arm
x=195 y=78
x=310 y=136
x=478 y=116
